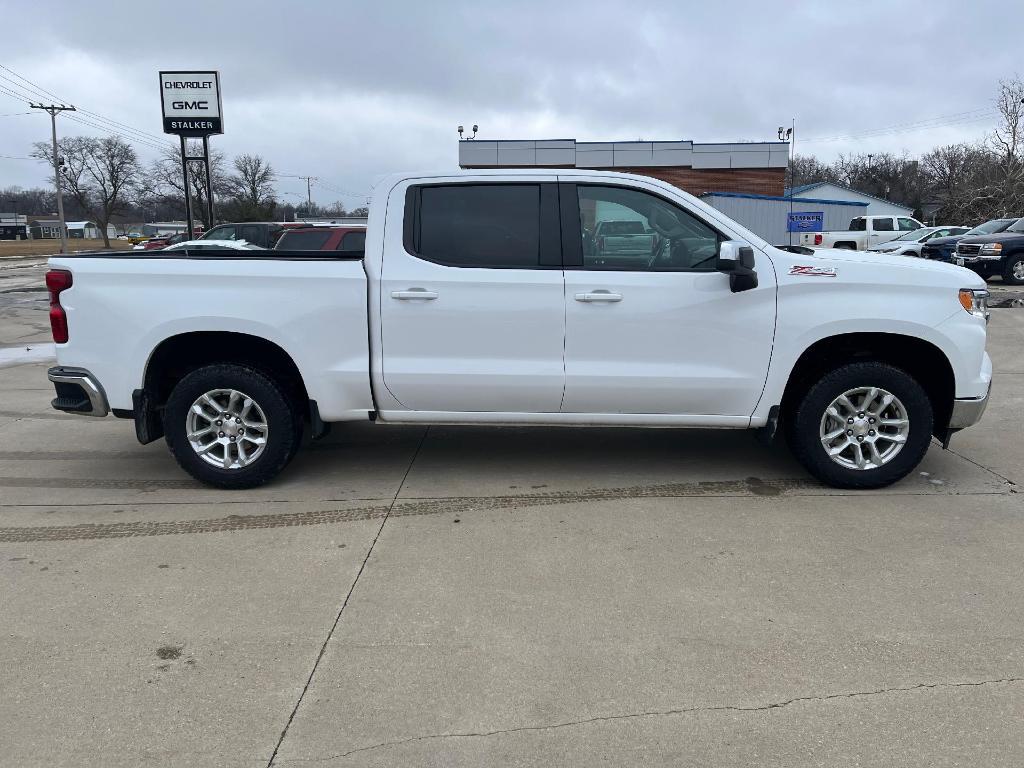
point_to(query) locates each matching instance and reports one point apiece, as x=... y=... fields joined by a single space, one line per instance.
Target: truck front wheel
x=1014 y=272
x=231 y=426
x=864 y=425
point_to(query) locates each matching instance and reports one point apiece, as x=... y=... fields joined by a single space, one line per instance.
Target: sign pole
x=188 y=196
x=209 y=181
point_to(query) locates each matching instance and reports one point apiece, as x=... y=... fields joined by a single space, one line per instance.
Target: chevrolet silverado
x=476 y=302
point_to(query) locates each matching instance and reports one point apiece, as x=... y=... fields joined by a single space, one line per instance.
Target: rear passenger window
x=353 y=241
x=479 y=225
x=883 y=225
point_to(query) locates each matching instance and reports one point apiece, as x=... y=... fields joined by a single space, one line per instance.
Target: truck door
x=472 y=299
x=661 y=334
x=883 y=229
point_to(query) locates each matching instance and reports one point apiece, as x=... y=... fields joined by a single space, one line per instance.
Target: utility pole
x=53 y=109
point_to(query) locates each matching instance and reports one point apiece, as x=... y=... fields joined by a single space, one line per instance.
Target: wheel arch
x=178 y=355
x=921 y=359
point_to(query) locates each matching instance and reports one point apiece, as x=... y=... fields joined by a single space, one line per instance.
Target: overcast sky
x=351 y=91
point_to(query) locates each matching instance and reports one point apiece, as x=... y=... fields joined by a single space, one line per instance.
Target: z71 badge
x=814 y=271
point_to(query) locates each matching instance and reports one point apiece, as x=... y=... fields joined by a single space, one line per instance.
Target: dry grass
x=13 y=248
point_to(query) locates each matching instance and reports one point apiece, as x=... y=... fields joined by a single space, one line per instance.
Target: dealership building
x=746 y=181
x=754 y=168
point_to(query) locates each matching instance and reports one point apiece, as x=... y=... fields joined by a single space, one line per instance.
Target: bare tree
x=252 y=189
x=165 y=182
x=807 y=169
x=1007 y=141
x=101 y=175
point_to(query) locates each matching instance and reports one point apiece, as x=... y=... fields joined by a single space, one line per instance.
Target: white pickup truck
x=476 y=302
x=864 y=232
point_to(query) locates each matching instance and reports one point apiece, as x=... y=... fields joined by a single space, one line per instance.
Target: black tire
x=284 y=426
x=1015 y=262
x=803 y=426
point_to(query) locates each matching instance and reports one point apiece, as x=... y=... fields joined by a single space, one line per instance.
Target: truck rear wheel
x=864 y=425
x=231 y=426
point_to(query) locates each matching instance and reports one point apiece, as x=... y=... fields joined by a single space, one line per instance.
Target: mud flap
x=149 y=424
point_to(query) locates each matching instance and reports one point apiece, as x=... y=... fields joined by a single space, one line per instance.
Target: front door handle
x=599 y=296
x=413 y=293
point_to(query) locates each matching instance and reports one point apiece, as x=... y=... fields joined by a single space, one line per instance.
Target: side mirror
x=736 y=259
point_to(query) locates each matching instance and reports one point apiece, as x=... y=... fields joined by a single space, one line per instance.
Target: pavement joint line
x=351 y=589
x=979 y=465
x=656 y=713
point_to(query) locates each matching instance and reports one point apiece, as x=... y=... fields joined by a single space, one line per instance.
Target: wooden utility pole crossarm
x=53 y=109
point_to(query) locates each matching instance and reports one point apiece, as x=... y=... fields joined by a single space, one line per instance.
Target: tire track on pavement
x=750 y=487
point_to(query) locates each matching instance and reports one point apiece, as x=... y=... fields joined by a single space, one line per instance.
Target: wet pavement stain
x=169 y=652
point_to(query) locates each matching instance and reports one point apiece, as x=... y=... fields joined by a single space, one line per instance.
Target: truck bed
x=313 y=304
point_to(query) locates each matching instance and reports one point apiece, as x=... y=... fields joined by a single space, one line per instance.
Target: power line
x=942 y=121
x=37 y=90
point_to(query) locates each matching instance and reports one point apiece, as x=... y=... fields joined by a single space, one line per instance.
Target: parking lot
x=472 y=596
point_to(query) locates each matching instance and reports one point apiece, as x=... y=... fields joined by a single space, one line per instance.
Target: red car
x=322 y=239
x=156 y=243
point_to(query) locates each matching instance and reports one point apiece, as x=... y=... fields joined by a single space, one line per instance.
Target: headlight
x=975 y=301
x=992 y=248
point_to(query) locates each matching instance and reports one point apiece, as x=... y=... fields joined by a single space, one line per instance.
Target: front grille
x=968 y=250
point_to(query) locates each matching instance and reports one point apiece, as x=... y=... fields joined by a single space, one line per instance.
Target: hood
x=892 y=246
x=998 y=237
x=908 y=265
x=951 y=240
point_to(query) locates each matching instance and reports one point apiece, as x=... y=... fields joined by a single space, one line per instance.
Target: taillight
x=58 y=280
x=600 y=242
x=817 y=239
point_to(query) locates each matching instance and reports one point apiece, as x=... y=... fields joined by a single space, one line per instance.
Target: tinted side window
x=304 y=240
x=883 y=225
x=353 y=241
x=223 y=232
x=632 y=230
x=252 y=233
x=908 y=225
x=858 y=225
x=479 y=225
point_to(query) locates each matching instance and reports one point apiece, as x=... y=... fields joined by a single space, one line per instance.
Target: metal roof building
x=765 y=215
x=876 y=206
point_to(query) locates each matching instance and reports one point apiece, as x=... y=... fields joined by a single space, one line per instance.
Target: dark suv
x=944 y=248
x=261 y=233
x=996 y=254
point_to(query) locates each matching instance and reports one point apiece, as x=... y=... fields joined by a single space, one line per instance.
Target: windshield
x=917 y=234
x=996 y=225
x=1017 y=226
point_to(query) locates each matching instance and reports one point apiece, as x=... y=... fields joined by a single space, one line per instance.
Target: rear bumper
x=78 y=391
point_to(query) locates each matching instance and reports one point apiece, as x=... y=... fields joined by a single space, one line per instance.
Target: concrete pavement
x=463 y=596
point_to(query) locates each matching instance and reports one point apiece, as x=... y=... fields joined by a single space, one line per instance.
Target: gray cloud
x=349 y=92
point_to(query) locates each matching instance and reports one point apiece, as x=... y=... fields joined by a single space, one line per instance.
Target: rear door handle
x=599 y=296
x=413 y=293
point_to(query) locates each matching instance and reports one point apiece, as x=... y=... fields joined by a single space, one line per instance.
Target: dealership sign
x=805 y=221
x=191 y=103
